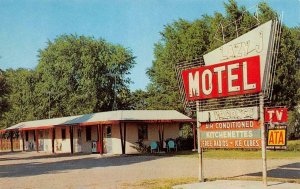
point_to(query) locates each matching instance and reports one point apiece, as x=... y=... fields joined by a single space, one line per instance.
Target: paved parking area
x=40 y=170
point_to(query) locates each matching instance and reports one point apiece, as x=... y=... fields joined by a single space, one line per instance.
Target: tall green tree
x=180 y=41
x=4 y=92
x=138 y=100
x=77 y=75
x=20 y=99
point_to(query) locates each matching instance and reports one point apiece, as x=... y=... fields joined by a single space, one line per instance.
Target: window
x=143 y=132
x=26 y=136
x=108 y=131
x=88 y=133
x=63 y=134
x=79 y=133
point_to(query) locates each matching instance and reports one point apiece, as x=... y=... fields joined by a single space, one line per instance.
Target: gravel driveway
x=39 y=170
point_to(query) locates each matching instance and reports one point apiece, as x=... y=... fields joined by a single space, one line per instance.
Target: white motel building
x=113 y=132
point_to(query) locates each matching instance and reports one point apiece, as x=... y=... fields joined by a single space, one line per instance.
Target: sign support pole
x=263 y=140
x=200 y=151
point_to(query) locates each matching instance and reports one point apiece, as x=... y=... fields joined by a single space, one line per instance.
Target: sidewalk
x=237 y=184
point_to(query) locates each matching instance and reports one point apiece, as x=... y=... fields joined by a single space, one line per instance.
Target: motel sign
x=240 y=67
x=225 y=79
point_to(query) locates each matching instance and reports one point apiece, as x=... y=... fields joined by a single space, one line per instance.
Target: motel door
x=41 y=140
x=107 y=139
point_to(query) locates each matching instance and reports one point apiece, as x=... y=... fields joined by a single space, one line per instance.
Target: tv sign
x=276 y=115
x=231 y=78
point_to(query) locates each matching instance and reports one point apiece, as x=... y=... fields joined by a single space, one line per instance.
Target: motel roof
x=110 y=117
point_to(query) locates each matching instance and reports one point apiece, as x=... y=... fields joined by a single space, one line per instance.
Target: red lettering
x=276 y=115
x=224 y=79
x=271 y=139
x=280 y=140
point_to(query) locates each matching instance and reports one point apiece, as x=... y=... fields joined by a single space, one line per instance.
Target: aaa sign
x=221 y=80
x=276 y=137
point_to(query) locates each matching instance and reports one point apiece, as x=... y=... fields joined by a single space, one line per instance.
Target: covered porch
x=115 y=132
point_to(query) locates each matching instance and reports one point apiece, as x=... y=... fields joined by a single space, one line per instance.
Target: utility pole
x=263 y=140
x=200 y=150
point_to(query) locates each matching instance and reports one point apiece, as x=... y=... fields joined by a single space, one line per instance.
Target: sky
x=27 y=25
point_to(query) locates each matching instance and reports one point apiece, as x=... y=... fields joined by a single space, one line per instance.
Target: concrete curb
x=237 y=184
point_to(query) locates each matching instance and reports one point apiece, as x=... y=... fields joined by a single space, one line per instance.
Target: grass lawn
x=239 y=154
x=158 y=183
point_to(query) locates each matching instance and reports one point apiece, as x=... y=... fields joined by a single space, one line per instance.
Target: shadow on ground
x=289 y=171
x=11 y=156
x=33 y=168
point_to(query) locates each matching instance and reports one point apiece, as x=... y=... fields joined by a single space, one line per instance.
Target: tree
x=4 y=92
x=295 y=33
x=180 y=41
x=20 y=99
x=137 y=100
x=293 y=130
x=75 y=75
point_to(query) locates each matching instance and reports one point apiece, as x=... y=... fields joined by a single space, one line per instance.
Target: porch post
x=123 y=137
x=11 y=141
x=100 y=138
x=53 y=138
x=37 y=140
x=161 y=135
x=195 y=136
x=124 y=142
x=1 y=141
x=71 y=139
x=22 y=133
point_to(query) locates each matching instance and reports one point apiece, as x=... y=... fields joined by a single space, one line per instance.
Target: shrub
x=185 y=143
x=293 y=145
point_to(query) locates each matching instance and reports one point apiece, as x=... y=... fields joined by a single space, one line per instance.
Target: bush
x=293 y=145
x=185 y=143
x=293 y=130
